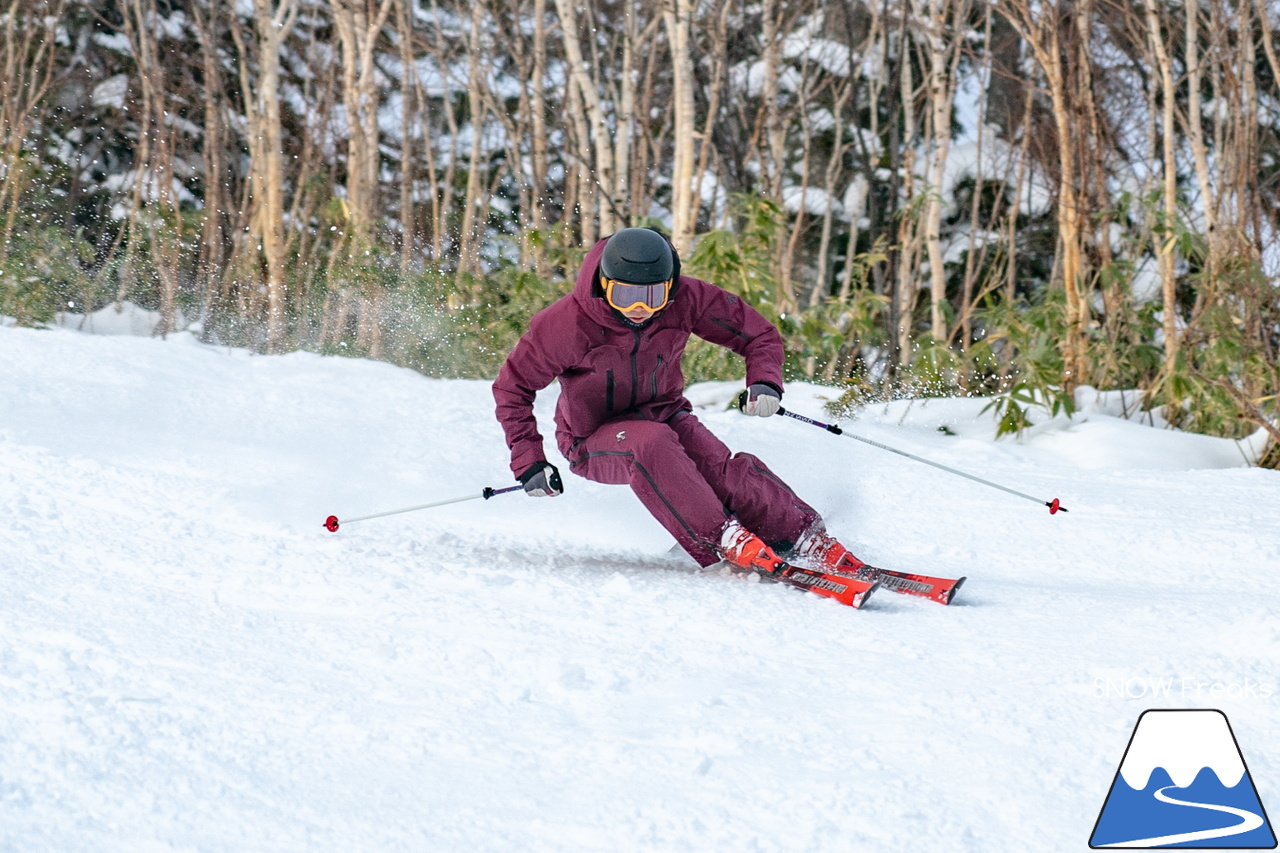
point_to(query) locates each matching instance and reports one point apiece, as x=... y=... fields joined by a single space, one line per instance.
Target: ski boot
x=744 y=550
x=823 y=552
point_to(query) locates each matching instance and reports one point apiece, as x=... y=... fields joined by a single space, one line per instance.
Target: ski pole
x=1054 y=505
x=331 y=523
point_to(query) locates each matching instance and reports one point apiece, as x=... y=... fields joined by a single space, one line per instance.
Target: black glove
x=541 y=480
x=760 y=399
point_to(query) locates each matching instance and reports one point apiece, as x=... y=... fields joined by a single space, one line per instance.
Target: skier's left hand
x=760 y=400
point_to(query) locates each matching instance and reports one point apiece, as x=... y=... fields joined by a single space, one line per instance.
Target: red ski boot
x=743 y=549
x=821 y=550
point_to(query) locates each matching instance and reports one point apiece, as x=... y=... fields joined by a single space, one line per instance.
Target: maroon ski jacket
x=611 y=371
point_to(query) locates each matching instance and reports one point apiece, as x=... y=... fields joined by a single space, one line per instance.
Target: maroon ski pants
x=690 y=481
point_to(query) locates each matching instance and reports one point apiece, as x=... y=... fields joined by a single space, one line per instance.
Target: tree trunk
x=470 y=236
x=408 y=72
x=1166 y=241
x=774 y=132
x=942 y=59
x=538 y=123
x=272 y=24
x=908 y=230
x=967 y=301
x=442 y=189
x=1041 y=27
x=359 y=24
x=822 y=287
x=209 y=264
x=583 y=78
x=30 y=51
x=1195 y=129
x=684 y=206
x=156 y=213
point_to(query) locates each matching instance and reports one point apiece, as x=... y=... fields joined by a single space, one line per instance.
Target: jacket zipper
x=635 y=370
x=654 y=395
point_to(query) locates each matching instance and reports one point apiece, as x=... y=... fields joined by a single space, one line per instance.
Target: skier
x=615 y=344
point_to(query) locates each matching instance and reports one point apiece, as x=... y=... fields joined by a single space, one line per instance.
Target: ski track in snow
x=188 y=661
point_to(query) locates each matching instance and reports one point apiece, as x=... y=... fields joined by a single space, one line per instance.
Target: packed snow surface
x=189 y=661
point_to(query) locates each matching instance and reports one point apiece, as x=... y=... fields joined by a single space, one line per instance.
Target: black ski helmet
x=638 y=256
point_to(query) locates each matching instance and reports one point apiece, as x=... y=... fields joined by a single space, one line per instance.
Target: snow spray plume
x=331 y=523
x=1053 y=505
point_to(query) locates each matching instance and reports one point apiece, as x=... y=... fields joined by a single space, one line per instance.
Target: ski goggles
x=627 y=297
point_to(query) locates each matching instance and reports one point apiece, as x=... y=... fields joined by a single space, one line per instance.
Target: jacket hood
x=589 y=293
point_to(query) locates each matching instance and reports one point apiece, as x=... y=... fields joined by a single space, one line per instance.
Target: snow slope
x=188 y=661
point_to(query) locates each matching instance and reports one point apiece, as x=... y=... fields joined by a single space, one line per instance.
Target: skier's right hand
x=760 y=399
x=541 y=480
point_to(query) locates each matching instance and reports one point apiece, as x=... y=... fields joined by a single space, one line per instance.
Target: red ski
x=941 y=590
x=851 y=591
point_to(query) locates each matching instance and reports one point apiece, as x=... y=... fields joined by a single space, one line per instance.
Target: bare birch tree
x=944 y=56
x=359 y=24
x=1042 y=27
x=908 y=226
x=677 y=14
x=469 y=234
x=155 y=217
x=1166 y=243
x=595 y=147
x=215 y=225
x=272 y=22
x=408 y=107
x=540 y=144
x=28 y=66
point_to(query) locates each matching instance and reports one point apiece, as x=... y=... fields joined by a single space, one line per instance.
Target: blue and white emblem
x=1183 y=783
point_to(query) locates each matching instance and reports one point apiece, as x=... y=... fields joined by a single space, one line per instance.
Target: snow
x=813 y=200
x=1098 y=437
x=188 y=661
x=124 y=183
x=118 y=42
x=122 y=318
x=833 y=56
x=855 y=195
x=750 y=78
x=111 y=92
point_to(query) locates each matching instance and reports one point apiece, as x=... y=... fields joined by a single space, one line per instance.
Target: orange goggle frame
x=627 y=297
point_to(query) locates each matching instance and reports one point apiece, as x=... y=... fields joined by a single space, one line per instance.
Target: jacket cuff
x=534 y=470
x=522 y=462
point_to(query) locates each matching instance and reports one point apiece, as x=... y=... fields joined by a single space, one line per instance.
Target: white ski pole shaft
x=1054 y=505
x=332 y=523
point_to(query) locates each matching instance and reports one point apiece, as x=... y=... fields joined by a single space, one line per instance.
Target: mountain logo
x=1183 y=783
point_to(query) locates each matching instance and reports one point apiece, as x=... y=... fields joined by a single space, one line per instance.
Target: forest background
x=1013 y=199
